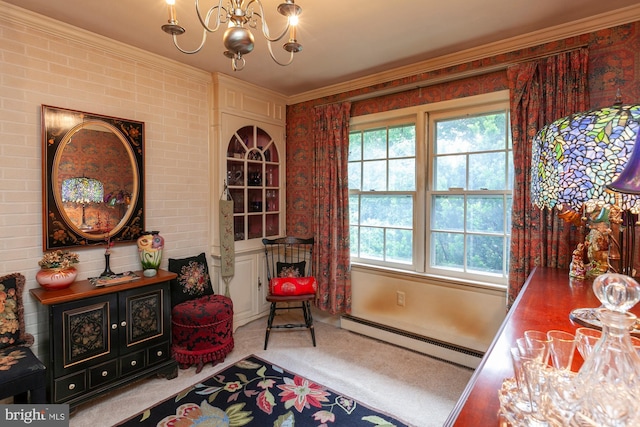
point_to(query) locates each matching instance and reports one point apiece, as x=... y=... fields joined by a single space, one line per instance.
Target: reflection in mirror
x=82 y=190
x=93 y=178
x=97 y=161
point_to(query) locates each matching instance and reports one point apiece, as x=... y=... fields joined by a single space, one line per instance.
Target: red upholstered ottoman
x=202 y=331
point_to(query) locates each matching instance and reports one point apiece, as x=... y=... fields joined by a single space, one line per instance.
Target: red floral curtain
x=331 y=213
x=542 y=91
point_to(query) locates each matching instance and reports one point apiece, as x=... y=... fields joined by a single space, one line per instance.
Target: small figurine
x=597 y=242
x=577 y=268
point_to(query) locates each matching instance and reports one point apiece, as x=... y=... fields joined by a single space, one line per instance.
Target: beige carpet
x=413 y=387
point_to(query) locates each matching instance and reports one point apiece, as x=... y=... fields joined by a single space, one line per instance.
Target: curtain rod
x=552 y=53
x=456 y=76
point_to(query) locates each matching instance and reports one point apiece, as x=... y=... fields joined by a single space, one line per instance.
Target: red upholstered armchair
x=201 y=322
x=289 y=270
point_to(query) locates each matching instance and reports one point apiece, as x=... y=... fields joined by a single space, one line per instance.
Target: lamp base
x=623 y=250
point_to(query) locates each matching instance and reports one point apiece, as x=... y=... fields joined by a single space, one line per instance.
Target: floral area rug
x=254 y=392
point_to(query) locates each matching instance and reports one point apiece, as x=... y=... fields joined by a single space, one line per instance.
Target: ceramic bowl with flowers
x=57 y=269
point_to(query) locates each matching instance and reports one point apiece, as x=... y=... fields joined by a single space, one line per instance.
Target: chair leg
x=21 y=397
x=308 y=319
x=272 y=313
x=39 y=395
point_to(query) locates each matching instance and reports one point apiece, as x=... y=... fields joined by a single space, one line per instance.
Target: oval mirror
x=93 y=178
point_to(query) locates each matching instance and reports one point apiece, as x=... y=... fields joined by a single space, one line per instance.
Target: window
x=382 y=183
x=470 y=200
x=430 y=192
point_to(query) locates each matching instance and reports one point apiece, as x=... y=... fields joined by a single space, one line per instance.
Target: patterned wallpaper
x=614 y=63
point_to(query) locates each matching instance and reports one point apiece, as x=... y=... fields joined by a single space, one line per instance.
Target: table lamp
x=585 y=164
x=575 y=158
x=82 y=190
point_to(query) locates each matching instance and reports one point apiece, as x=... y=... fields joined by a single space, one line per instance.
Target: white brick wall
x=46 y=62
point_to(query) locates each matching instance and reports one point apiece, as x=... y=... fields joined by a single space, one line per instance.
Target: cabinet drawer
x=158 y=353
x=69 y=386
x=131 y=362
x=103 y=373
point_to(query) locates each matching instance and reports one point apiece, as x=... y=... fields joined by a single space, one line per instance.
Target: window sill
x=431 y=278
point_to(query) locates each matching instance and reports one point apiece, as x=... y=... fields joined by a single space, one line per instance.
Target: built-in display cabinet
x=248 y=159
x=253 y=177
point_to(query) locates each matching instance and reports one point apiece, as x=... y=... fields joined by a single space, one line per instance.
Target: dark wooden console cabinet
x=101 y=338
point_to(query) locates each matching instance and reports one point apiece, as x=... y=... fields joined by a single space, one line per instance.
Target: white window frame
x=466 y=272
x=382 y=120
x=423 y=115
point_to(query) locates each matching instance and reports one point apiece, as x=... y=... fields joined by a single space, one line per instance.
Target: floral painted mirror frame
x=107 y=149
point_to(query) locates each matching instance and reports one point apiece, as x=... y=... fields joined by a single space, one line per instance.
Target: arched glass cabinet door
x=253 y=171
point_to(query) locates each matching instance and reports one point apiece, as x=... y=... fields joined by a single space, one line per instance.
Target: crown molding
x=13 y=14
x=16 y=15
x=248 y=87
x=536 y=38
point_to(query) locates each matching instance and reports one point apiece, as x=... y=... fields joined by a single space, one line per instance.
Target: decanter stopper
x=616 y=292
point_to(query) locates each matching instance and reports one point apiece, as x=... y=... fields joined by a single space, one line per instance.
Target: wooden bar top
x=84 y=288
x=545 y=302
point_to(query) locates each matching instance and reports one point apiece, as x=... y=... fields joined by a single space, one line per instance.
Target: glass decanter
x=609 y=380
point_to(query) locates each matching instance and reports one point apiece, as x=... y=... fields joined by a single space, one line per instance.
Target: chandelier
x=240 y=18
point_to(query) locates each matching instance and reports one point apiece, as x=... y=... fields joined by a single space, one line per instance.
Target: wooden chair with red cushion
x=289 y=271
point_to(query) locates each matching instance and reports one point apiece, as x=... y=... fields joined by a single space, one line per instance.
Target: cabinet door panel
x=88 y=330
x=242 y=286
x=142 y=312
x=263 y=288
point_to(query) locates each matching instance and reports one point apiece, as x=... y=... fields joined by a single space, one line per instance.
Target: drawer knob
x=123 y=324
x=159 y=353
x=105 y=373
x=114 y=326
x=72 y=386
x=134 y=363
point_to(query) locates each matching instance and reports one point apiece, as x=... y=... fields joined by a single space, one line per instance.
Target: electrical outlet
x=400 y=298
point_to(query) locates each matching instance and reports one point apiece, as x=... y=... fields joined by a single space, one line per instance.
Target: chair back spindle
x=290 y=281
x=288 y=250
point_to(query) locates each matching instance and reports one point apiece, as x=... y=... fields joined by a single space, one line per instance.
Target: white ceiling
x=342 y=39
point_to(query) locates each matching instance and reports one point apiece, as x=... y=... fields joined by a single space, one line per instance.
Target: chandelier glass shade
x=240 y=17
x=576 y=157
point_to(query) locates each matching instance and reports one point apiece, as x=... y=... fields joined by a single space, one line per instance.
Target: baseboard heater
x=432 y=347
